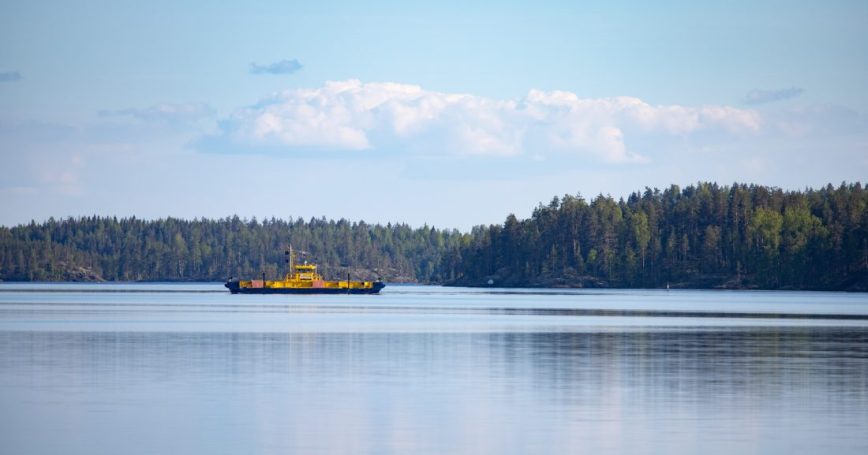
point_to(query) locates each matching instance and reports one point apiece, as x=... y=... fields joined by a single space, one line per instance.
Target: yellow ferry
x=302 y=279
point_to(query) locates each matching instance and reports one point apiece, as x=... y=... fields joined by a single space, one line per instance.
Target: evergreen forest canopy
x=100 y=248
x=702 y=236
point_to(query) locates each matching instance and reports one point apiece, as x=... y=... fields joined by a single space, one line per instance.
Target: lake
x=189 y=368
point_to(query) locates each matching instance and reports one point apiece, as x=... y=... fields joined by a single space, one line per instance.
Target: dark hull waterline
x=234 y=288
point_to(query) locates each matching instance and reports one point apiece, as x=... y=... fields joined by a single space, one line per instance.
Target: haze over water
x=129 y=368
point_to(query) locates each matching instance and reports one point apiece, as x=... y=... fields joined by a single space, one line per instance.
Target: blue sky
x=446 y=113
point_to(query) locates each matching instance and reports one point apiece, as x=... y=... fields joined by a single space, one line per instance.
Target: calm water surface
x=170 y=368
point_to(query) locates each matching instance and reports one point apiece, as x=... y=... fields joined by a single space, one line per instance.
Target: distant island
x=702 y=236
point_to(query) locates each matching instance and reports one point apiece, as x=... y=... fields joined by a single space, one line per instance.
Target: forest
x=702 y=236
x=101 y=248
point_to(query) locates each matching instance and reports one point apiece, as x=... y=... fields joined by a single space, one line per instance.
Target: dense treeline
x=700 y=236
x=705 y=235
x=93 y=248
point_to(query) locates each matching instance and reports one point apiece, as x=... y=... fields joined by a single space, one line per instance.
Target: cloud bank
x=10 y=76
x=180 y=113
x=758 y=96
x=353 y=116
x=281 y=67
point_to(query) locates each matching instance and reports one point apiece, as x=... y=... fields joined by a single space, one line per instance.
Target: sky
x=450 y=114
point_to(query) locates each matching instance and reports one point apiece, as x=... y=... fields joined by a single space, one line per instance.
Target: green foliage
x=172 y=249
x=700 y=236
x=704 y=235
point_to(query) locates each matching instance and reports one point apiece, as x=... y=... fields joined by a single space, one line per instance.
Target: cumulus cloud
x=758 y=96
x=164 y=113
x=281 y=67
x=10 y=76
x=351 y=115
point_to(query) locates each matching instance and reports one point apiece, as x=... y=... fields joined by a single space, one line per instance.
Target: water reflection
x=769 y=390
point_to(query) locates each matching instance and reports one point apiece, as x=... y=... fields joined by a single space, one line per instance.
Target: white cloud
x=351 y=115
